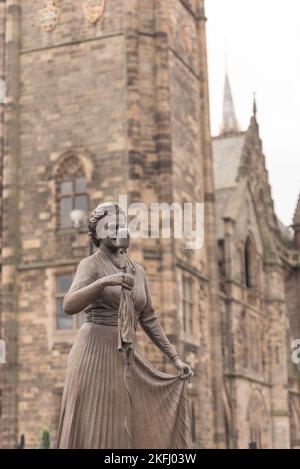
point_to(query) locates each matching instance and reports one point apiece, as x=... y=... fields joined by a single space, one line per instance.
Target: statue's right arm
x=77 y=300
x=84 y=289
x=87 y=286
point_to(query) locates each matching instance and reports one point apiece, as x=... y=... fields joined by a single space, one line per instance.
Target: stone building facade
x=259 y=292
x=115 y=101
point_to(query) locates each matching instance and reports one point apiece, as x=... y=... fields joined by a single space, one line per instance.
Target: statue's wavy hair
x=98 y=214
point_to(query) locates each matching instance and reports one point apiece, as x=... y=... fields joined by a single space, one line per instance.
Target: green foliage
x=45 y=439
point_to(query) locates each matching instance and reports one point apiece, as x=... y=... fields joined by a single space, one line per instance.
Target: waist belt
x=110 y=319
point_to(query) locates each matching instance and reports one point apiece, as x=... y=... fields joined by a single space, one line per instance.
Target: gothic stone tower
x=97 y=107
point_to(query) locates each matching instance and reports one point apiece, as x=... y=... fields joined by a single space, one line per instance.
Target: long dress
x=100 y=410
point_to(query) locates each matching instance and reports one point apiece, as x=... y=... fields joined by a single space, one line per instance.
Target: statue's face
x=113 y=232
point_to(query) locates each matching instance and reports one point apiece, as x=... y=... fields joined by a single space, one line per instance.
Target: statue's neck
x=119 y=257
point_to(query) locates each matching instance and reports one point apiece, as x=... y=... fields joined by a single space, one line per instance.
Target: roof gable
x=227 y=153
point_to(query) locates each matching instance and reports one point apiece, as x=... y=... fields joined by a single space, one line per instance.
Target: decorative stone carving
x=48 y=16
x=173 y=23
x=187 y=38
x=93 y=9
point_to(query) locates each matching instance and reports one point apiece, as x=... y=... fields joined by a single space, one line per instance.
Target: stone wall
x=109 y=99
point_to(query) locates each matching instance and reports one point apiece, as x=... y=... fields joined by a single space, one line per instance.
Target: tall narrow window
x=0 y=403
x=187 y=305
x=72 y=195
x=250 y=263
x=247 y=264
x=2 y=351
x=63 y=283
x=63 y=320
x=221 y=258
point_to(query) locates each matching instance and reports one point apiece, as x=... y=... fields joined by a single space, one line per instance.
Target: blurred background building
x=111 y=97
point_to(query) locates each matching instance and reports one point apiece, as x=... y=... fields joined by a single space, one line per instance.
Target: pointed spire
x=297 y=214
x=254 y=105
x=253 y=120
x=229 y=123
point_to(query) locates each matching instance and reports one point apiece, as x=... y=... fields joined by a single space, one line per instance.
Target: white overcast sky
x=262 y=40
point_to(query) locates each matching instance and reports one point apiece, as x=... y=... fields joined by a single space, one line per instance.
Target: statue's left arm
x=151 y=325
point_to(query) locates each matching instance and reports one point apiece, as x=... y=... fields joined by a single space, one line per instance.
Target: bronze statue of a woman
x=113 y=398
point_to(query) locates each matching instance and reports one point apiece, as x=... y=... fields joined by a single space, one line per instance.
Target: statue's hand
x=185 y=370
x=118 y=280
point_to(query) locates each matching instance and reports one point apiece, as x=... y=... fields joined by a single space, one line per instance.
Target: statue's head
x=107 y=226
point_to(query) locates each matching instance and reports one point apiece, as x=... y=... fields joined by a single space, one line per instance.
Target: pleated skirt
x=96 y=411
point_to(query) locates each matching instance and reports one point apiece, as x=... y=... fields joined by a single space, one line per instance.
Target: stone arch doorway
x=258 y=421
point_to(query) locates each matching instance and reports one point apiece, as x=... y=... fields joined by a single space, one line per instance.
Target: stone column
x=211 y=243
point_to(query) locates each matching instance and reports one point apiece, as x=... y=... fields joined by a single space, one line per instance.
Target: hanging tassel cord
x=127 y=382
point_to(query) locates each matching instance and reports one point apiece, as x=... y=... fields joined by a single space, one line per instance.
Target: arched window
x=71 y=189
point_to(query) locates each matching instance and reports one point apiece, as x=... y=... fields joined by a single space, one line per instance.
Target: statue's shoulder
x=89 y=262
x=138 y=267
